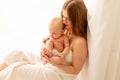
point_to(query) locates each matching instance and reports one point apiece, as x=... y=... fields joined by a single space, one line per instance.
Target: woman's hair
x=77 y=14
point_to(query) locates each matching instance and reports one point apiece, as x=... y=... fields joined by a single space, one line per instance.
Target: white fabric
x=26 y=66
x=104 y=42
x=13 y=57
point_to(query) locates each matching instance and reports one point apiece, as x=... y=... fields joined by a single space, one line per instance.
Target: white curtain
x=104 y=42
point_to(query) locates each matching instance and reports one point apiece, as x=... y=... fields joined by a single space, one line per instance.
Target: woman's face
x=66 y=20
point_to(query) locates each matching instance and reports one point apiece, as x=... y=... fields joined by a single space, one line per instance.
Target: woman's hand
x=56 y=60
x=67 y=32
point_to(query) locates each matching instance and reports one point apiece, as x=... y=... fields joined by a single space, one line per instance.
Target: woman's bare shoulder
x=79 y=43
x=80 y=40
x=80 y=46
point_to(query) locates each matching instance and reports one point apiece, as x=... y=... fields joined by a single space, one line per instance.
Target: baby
x=58 y=43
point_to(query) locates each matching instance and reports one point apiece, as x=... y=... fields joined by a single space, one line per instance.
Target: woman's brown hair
x=77 y=13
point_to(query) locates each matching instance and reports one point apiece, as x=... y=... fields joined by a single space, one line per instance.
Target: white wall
x=91 y=6
x=23 y=23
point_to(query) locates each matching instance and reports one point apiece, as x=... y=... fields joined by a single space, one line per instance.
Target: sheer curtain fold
x=103 y=42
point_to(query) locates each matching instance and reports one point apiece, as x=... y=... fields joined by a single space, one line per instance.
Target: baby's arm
x=60 y=56
x=66 y=47
x=45 y=39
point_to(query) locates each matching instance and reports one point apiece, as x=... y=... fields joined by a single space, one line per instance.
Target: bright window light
x=23 y=23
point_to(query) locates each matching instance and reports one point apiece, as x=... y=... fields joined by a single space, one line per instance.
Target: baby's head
x=56 y=24
x=56 y=27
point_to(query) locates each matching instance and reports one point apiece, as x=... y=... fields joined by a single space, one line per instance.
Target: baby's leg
x=47 y=52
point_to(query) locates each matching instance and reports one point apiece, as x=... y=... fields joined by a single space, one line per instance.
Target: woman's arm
x=79 y=50
x=66 y=46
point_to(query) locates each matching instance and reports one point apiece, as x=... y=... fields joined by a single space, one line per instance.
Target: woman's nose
x=64 y=21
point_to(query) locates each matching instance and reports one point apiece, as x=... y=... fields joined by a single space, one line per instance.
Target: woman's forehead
x=64 y=13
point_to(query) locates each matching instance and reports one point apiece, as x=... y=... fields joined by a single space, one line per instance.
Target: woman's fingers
x=65 y=31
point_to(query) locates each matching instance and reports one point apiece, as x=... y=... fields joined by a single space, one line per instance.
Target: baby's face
x=56 y=31
x=56 y=27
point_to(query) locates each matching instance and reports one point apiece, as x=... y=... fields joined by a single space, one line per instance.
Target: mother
x=74 y=15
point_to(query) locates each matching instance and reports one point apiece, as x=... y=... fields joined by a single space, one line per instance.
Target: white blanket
x=26 y=66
